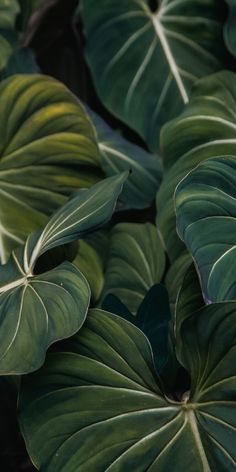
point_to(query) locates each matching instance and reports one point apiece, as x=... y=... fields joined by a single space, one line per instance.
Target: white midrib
x=170 y=58
x=11 y=285
x=106 y=148
x=194 y=427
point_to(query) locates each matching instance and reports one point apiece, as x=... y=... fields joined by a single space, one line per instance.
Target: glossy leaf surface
x=37 y=310
x=47 y=150
x=98 y=404
x=206 y=221
x=206 y=128
x=119 y=155
x=89 y=262
x=136 y=262
x=144 y=63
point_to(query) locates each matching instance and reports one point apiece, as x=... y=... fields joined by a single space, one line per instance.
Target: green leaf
x=207 y=351
x=118 y=155
x=98 y=404
x=152 y=318
x=47 y=150
x=144 y=63
x=84 y=213
x=136 y=262
x=206 y=221
x=21 y=61
x=89 y=262
x=37 y=310
x=9 y=10
x=114 y=305
x=175 y=275
x=206 y=128
x=189 y=300
x=229 y=29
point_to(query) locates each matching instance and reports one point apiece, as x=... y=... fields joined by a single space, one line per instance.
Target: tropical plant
x=118 y=235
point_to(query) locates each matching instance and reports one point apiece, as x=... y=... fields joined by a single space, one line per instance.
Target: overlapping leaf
x=118 y=155
x=189 y=301
x=98 y=404
x=136 y=262
x=152 y=318
x=175 y=275
x=37 y=310
x=47 y=149
x=91 y=258
x=144 y=63
x=229 y=29
x=206 y=221
x=207 y=128
x=8 y=13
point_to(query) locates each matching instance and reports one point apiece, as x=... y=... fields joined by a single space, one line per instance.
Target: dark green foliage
x=117 y=235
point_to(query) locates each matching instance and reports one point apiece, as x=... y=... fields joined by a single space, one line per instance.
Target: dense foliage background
x=117 y=235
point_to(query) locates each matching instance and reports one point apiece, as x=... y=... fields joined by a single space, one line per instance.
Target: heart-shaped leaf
x=37 y=310
x=136 y=262
x=47 y=150
x=206 y=128
x=8 y=13
x=152 y=318
x=206 y=221
x=98 y=404
x=119 y=155
x=151 y=59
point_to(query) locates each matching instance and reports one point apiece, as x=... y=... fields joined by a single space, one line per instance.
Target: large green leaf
x=37 y=310
x=136 y=262
x=144 y=63
x=206 y=128
x=9 y=10
x=229 y=29
x=47 y=149
x=118 y=155
x=206 y=221
x=99 y=406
